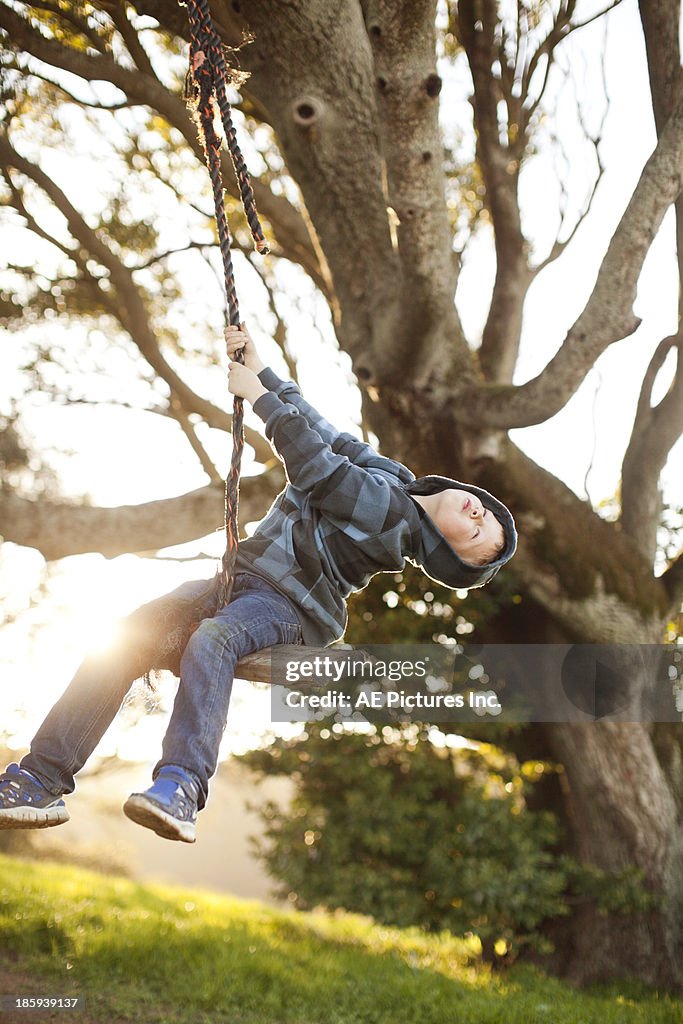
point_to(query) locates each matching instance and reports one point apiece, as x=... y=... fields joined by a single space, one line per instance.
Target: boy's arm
x=341 y=489
x=288 y=391
x=356 y=451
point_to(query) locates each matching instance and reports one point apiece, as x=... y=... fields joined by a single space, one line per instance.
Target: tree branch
x=159 y=257
x=119 y=16
x=287 y=224
x=655 y=431
x=560 y=245
x=130 y=308
x=280 y=332
x=20 y=206
x=73 y=22
x=403 y=42
x=61 y=89
x=500 y=165
x=60 y=529
x=560 y=29
x=180 y=416
x=660 y=20
x=607 y=316
x=101 y=68
x=581 y=568
x=672 y=580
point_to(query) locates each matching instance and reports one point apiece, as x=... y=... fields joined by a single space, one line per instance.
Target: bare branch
x=60 y=88
x=560 y=245
x=562 y=28
x=559 y=30
x=119 y=16
x=660 y=19
x=168 y=183
x=591 y=460
x=655 y=431
x=608 y=315
x=177 y=414
x=155 y=556
x=576 y=25
x=500 y=165
x=181 y=417
x=159 y=257
x=280 y=332
x=61 y=529
x=59 y=398
x=21 y=208
x=174 y=19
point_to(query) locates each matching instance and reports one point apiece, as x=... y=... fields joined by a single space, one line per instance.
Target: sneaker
x=168 y=807
x=26 y=803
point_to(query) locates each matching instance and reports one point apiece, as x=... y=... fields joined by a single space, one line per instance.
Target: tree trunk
x=619 y=799
x=623 y=812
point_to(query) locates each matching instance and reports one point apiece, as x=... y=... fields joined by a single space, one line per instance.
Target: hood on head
x=436 y=556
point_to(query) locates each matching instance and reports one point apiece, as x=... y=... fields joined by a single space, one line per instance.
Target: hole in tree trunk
x=307 y=111
x=433 y=85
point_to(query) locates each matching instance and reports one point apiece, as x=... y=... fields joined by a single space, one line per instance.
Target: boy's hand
x=243 y=382
x=237 y=338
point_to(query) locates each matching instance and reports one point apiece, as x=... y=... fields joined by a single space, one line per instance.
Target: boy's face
x=472 y=530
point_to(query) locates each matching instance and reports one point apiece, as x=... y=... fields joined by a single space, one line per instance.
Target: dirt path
x=16 y=981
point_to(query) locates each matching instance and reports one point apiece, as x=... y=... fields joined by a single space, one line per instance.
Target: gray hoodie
x=345 y=514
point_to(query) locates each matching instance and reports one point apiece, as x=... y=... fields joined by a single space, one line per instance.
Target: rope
x=206 y=94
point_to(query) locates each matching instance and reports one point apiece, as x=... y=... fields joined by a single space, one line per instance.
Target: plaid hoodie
x=345 y=514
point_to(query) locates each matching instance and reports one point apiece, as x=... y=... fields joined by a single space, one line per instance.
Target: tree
x=346 y=105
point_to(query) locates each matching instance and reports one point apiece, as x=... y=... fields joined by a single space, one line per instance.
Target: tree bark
x=59 y=529
x=623 y=813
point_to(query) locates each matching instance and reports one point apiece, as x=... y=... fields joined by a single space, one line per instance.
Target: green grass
x=154 y=953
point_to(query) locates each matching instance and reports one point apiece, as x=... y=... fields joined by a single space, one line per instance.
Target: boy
x=345 y=514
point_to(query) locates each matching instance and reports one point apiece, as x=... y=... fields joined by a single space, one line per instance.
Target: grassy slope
x=152 y=953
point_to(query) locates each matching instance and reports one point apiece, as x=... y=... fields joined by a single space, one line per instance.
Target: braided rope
x=206 y=93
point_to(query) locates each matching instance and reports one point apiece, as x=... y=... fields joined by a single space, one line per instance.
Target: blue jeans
x=258 y=616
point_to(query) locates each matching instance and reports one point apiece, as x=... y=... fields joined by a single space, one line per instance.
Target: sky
x=146 y=459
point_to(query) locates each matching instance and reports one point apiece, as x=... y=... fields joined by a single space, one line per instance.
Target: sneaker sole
x=32 y=817
x=148 y=814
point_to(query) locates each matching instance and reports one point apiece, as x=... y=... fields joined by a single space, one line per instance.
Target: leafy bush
x=390 y=825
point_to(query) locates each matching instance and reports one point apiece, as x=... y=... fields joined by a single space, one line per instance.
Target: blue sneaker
x=26 y=803
x=169 y=806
